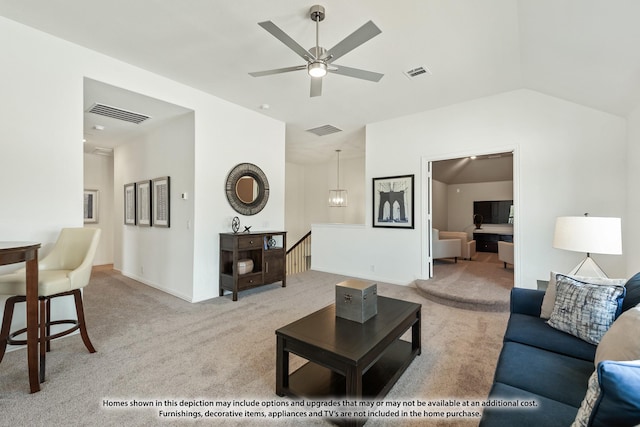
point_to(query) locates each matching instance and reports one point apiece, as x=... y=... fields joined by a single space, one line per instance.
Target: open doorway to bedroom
x=472 y=219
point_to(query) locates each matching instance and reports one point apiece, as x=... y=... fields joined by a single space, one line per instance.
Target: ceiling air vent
x=102 y=151
x=118 y=113
x=324 y=130
x=416 y=72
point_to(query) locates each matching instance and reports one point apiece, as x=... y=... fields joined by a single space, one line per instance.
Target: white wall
x=462 y=196
x=308 y=194
x=567 y=161
x=98 y=175
x=294 y=214
x=160 y=257
x=41 y=82
x=631 y=226
x=440 y=205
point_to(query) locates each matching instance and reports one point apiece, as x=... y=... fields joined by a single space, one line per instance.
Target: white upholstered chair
x=445 y=248
x=505 y=252
x=467 y=246
x=64 y=271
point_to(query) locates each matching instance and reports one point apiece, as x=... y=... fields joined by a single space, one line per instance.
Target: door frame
x=426 y=165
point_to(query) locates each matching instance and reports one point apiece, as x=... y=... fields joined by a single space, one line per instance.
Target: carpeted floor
x=480 y=284
x=156 y=348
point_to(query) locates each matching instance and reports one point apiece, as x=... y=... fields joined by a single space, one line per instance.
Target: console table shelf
x=267 y=251
x=488 y=242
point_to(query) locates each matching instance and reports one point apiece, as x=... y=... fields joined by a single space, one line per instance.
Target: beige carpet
x=155 y=347
x=480 y=284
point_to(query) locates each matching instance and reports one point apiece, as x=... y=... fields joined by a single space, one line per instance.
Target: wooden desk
x=11 y=253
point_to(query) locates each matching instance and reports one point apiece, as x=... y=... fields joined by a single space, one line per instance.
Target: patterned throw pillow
x=589 y=401
x=585 y=310
x=549 y=299
x=612 y=396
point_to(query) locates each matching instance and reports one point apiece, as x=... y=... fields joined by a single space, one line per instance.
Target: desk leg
x=416 y=335
x=354 y=382
x=32 y=322
x=282 y=367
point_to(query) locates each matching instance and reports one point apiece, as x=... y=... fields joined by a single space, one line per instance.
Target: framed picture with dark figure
x=393 y=205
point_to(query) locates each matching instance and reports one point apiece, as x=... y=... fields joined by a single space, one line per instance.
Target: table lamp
x=590 y=234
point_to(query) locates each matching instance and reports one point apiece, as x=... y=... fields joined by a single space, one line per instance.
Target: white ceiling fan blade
x=316 y=86
x=352 y=41
x=277 y=71
x=356 y=72
x=284 y=38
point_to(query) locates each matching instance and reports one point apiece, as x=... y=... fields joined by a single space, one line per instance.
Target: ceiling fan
x=319 y=61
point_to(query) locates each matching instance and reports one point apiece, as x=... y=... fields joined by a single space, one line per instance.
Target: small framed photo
x=130 y=204
x=161 y=201
x=143 y=203
x=90 y=206
x=393 y=202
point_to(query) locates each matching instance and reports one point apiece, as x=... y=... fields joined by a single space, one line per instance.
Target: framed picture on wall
x=130 y=204
x=393 y=202
x=161 y=201
x=143 y=203
x=90 y=206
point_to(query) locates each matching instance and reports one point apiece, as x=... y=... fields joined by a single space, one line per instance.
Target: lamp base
x=588 y=268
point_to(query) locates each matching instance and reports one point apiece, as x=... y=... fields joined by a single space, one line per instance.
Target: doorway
x=452 y=185
x=114 y=117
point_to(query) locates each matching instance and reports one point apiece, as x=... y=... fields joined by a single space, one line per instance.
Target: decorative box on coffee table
x=356 y=300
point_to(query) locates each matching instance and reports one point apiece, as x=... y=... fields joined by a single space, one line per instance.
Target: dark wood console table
x=488 y=242
x=347 y=358
x=267 y=251
x=12 y=253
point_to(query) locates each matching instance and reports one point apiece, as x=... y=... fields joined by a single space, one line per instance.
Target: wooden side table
x=15 y=252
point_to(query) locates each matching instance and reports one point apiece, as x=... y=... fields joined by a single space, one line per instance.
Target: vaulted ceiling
x=584 y=51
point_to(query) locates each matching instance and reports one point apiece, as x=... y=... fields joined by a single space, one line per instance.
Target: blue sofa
x=543 y=365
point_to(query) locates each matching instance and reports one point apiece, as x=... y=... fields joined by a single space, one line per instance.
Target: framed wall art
x=130 y=204
x=161 y=201
x=143 y=203
x=90 y=206
x=393 y=205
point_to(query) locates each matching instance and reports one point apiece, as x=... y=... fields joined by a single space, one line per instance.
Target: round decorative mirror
x=247 y=189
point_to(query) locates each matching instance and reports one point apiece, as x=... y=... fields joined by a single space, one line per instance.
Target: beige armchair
x=467 y=246
x=64 y=271
x=445 y=248
x=505 y=252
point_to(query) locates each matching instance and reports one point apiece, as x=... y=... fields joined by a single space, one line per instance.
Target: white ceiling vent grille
x=102 y=151
x=415 y=72
x=118 y=113
x=324 y=130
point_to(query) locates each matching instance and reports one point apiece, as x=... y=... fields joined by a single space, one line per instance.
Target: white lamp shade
x=590 y=234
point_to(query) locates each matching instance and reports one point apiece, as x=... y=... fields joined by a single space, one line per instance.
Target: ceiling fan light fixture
x=317 y=69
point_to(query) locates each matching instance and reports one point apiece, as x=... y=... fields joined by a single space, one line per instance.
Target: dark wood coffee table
x=347 y=358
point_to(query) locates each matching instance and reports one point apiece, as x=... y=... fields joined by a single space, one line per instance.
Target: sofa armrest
x=526 y=301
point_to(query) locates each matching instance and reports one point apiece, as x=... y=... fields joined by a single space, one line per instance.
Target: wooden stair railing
x=299 y=255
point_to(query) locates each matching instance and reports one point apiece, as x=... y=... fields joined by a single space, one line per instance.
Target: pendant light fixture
x=338 y=197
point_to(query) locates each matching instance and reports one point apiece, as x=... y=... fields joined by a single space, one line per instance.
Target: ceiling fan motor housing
x=316 y=13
